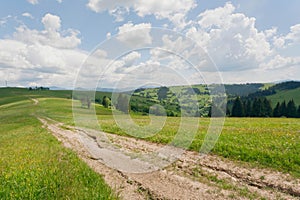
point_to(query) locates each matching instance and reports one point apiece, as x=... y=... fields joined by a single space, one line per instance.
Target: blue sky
x=48 y=42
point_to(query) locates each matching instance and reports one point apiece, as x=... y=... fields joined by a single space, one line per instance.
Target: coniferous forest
x=262 y=107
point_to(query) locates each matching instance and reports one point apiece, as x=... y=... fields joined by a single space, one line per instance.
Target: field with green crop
x=34 y=165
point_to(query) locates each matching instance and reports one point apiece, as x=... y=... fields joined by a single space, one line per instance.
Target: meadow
x=263 y=142
x=34 y=165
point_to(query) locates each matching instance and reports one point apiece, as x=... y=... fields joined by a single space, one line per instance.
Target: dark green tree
x=276 y=111
x=298 y=112
x=228 y=111
x=291 y=110
x=283 y=109
x=162 y=93
x=256 y=108
x=266 y=108
x=248 y=108
x=106 y=102
x=237 y=108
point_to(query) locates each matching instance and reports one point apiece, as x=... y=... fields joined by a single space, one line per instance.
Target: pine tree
x=248 y=108
x=266 y=108
x=298 y=112
x=257 y=108
x=276 y=112
x=291 y=110
x=238 y=108
x=283 y=109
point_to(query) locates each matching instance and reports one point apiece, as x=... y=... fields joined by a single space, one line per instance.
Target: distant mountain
x=58 y=88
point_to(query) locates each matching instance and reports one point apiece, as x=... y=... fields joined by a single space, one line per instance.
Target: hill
x=176 y=97
x=286 y=95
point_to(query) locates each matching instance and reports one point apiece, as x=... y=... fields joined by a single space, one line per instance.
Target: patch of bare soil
x=35 y=101
x=123 y=164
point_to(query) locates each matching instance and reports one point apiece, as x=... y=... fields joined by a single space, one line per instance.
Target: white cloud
x=231 y=39
x=130 y=58
x=51 y=22
x=217 y=17
x=59 y=1
x=33 y=2
x=26 y=14
x=48 y=57
x=35 y=62
x=294 y=34
x=51 y=35
x=281 y=62
x=102 y=5
x=290 y=39
x=108 y=35
x=174 y=10
x=135 y=35
x=279 y=42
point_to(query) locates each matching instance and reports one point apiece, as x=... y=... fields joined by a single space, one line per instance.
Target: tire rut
x=177 y=181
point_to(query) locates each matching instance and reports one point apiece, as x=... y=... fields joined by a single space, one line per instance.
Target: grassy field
x=34 y=165
x=266 y=142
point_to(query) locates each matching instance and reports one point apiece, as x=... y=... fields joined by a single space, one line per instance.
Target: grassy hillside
x=33 y=164
x=10 y=95
x=286 y=95
x=267 y=142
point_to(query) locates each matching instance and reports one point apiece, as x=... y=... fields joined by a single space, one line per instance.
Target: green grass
x=286 y=95
x=10 y=95
x=34 y=165
x=31 y=157
x=264 y=142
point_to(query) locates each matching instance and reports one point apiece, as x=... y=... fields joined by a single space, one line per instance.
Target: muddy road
x=121 y=162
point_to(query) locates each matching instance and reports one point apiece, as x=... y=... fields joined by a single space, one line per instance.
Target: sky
x=105 y=43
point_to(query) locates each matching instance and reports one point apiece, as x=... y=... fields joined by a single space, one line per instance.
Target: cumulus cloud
x=279 y=62
x=174 y=10
x=51 y=35
x=131 y=58
x=51 y=22
x=290 y=39
x=42 y=56
x=137 y=35
x=294 y=35
x=231 y=38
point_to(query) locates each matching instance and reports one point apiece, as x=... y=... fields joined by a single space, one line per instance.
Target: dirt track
x=192 y=176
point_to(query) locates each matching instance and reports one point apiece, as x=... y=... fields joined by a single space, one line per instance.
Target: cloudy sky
x=58 y=42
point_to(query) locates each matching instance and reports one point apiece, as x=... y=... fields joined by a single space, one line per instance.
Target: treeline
x=261 y=107
x=38 y=88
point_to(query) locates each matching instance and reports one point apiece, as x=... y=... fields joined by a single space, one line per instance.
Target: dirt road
x=191 y=176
